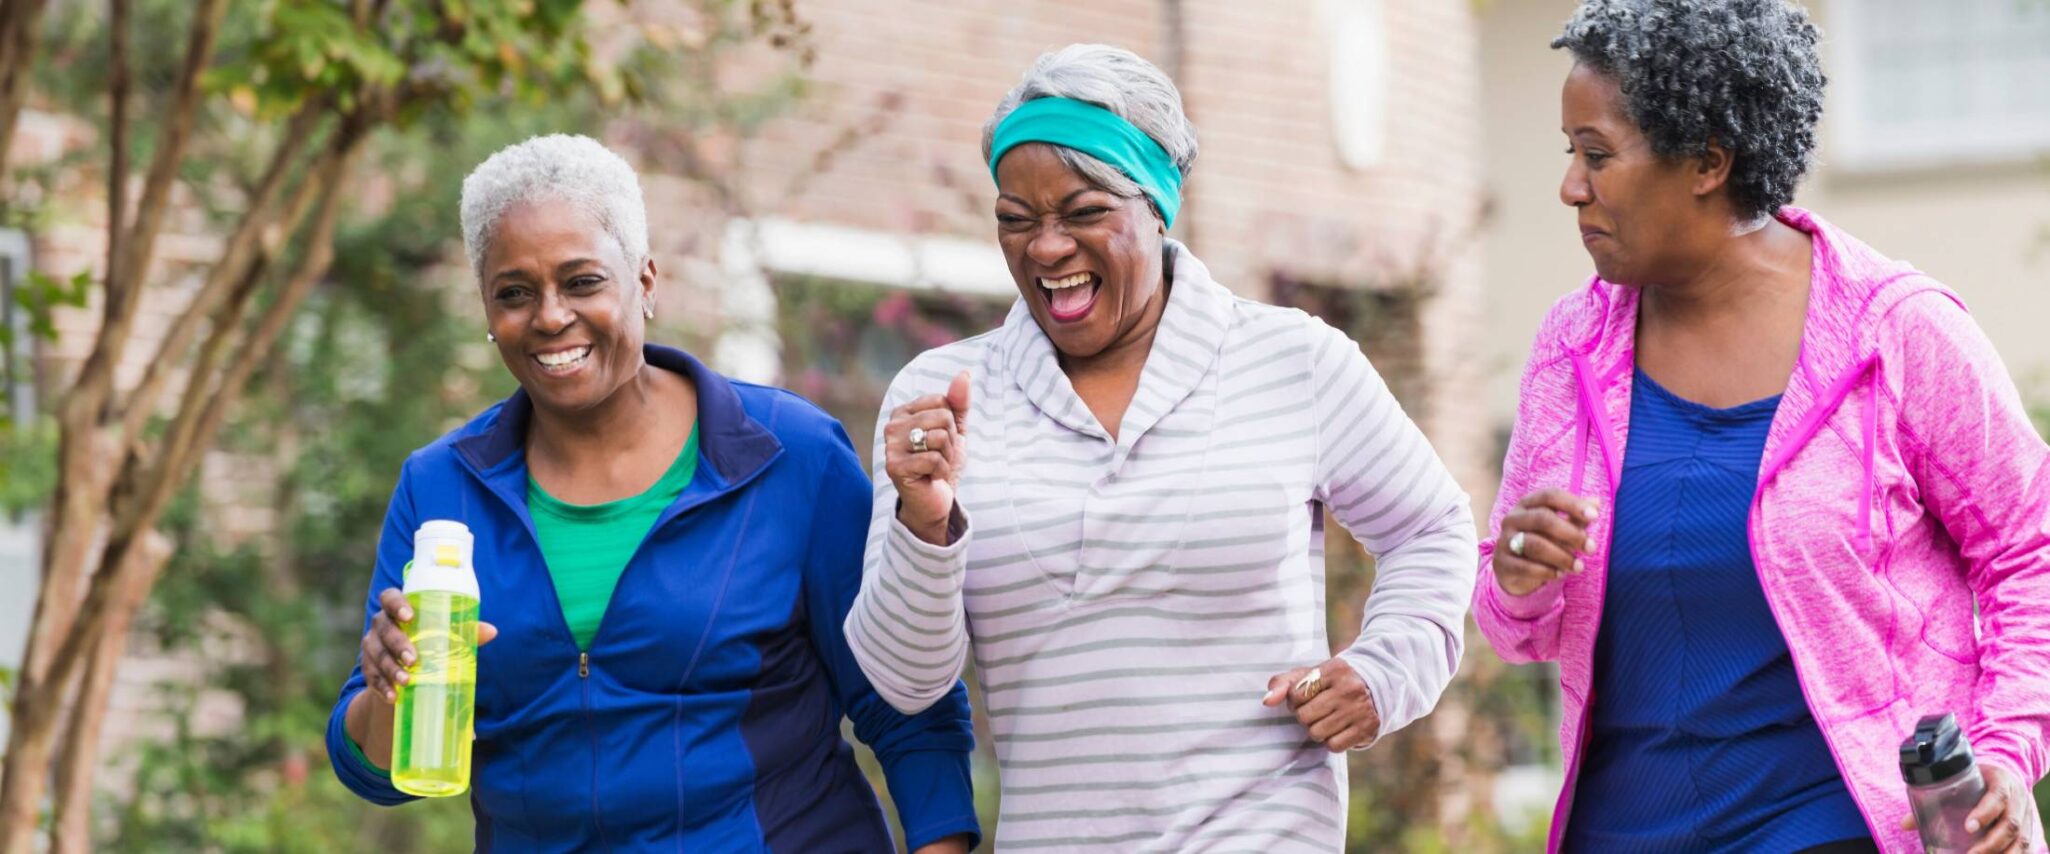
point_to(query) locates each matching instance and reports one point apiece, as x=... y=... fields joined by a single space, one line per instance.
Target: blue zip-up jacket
x=707 y=715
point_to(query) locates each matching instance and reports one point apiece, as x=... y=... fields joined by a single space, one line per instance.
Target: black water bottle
x=1944 y=783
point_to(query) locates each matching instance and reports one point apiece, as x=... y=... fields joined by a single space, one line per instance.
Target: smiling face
x=564 y=304
x=1086 y=261
x=1638 y=211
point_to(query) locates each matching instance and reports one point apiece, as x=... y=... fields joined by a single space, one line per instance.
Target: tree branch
x=81 y=745
x=86 y=463
x=191 y=432
x=20 y=37
x=117 y=138
x=242 y=251
x=123 y=295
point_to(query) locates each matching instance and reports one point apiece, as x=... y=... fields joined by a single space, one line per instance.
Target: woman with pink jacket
x=1771 y=497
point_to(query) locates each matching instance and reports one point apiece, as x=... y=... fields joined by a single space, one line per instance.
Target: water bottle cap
x=1935 y=752
x=442 y=552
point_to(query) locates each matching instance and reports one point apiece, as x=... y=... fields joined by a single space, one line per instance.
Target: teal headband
x=1099 y=133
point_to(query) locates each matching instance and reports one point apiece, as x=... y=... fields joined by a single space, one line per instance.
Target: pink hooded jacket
x=1901 y=483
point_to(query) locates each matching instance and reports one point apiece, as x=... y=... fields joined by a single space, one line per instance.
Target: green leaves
x=304 y=48
x=39 y=295
x=453 y=53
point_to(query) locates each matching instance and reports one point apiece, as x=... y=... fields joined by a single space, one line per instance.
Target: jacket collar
x=1847 y=282
x=1185 y=347
x=1850 y=287
x=731 y=441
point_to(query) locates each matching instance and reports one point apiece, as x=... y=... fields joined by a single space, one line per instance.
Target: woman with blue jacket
x=665 y=558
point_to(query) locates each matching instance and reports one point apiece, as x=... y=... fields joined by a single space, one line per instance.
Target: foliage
x=40 y=295
x=28 y=465
x=378 y=362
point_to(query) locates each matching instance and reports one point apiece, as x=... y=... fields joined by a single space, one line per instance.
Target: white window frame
x=1859 y=144
x=16 y=260
x=20 y=539
x=755 y=249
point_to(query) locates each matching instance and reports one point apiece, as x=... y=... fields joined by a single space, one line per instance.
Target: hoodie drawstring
x=1871 y=440
x=1591 y=417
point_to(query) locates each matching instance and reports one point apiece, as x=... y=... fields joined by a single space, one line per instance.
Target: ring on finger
x=1310 y=686
x=1516 y=544
x=917 y=439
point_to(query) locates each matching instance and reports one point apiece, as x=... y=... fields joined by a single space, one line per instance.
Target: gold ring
x=1310 y=686
x=909 y=480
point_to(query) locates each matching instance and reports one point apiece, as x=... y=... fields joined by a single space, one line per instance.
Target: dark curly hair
x=1740 y=73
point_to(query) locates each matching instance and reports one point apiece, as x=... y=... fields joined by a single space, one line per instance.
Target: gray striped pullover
x=1127 y=600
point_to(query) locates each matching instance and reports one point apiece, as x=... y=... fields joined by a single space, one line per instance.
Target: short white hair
x=1117 y=80
x=564 y=167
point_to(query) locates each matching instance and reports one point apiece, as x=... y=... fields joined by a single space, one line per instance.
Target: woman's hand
x=387 y=652
x=927 y=473
x=2005 y=821
x=1553 y=526
x=1336 y=707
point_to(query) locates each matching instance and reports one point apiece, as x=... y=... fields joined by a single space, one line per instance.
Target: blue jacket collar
x=733 y=442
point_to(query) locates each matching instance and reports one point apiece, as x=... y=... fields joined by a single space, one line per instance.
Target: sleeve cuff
x=1530 y=606
x=928 y=556
x=1381 y=692
x=934 y=794
x=362 y=761
x=2007 y=751
x=352 y=767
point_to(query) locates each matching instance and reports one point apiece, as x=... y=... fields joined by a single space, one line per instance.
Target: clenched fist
x=926 y=472
x=1543 y=540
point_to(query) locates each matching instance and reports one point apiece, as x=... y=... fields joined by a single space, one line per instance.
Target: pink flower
x=894 y=309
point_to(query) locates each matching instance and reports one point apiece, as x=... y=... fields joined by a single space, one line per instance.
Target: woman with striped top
x=1129 y=539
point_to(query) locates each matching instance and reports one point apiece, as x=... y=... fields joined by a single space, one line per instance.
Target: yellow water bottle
x=437 y=708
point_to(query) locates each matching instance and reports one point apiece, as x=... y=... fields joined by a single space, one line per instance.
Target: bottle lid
x=442 y=550
x=1936 y=752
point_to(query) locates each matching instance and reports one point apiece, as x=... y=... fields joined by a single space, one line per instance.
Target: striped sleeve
x=1385 y=483
x=907 y=627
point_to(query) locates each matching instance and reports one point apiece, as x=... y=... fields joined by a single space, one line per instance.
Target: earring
x=490 y=337
x=648 y=310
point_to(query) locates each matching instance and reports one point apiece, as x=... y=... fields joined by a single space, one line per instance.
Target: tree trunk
x=20 y=32
x=43 y=690
x=81 y=751
x=36 y=701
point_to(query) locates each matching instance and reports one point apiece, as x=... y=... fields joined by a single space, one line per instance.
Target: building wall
x=1270 y=197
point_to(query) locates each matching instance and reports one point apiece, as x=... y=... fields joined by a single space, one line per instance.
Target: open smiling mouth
x=1069 y=298
x=563 y=361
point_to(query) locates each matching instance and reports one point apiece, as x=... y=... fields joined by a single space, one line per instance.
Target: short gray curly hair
x=1119 y=81
x=566 y=167
x=1740 y=73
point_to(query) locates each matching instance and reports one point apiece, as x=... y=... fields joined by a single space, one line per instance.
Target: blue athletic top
x=705 y=713
x=1701 y=739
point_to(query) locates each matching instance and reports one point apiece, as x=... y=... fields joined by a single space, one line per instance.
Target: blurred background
x=209 y=391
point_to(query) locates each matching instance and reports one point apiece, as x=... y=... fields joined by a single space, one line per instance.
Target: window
x=19 y=537
x=15 y=370
x=832 y=312
x=1921 y=84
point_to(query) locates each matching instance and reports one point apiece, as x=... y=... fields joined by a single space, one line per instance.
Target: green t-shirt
x=586 y=546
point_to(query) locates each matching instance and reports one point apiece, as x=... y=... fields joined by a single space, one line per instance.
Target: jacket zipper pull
x=583 y=665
